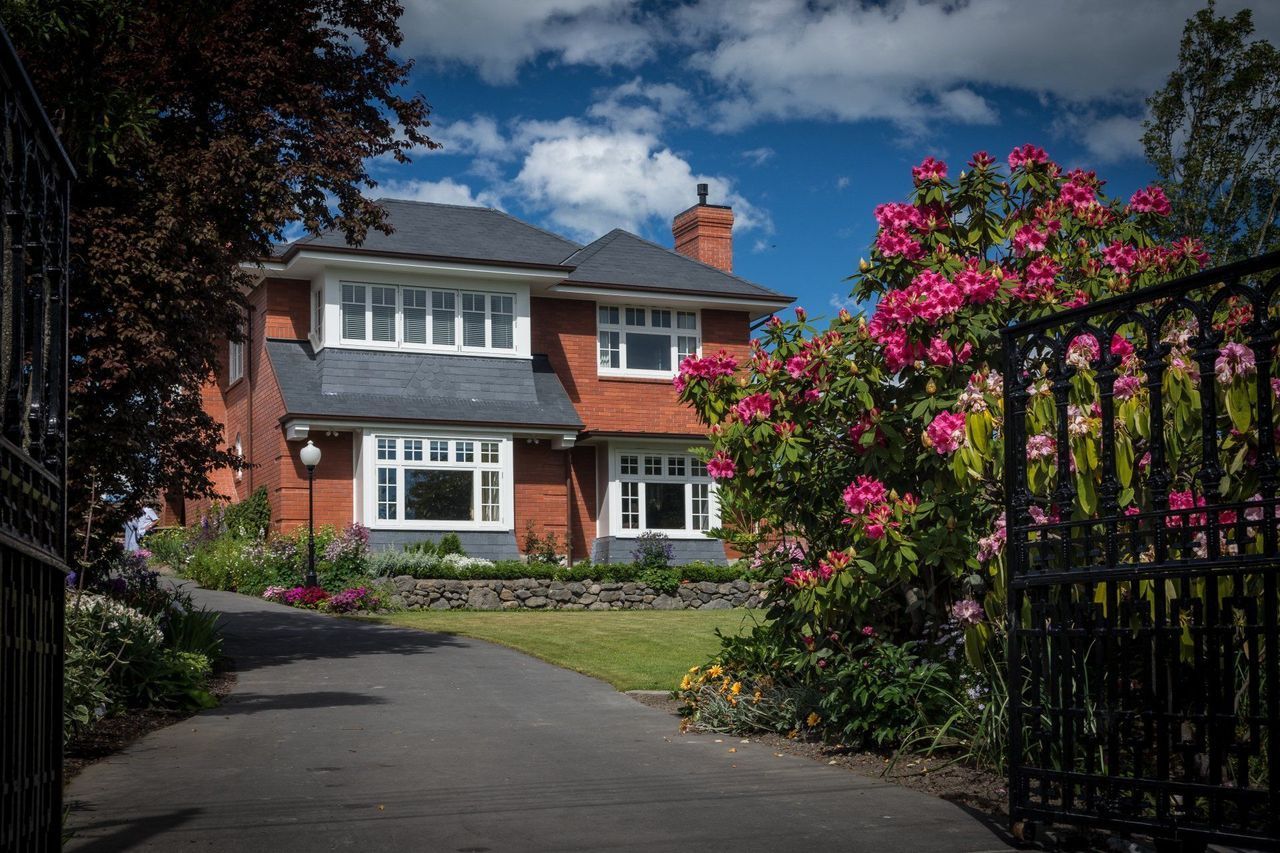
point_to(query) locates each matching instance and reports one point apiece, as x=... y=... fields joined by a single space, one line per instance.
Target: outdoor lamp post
x=310 y=456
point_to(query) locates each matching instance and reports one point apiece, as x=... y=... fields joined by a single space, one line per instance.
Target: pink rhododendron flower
x=1042 y=446
x=1083 y=351
x=801 y=579
x=1042 y=271
x=863 y=493
x=1039 y=517
x=1184 y=500
x=797 y=365
x=967 y=612
x=898 y=217
x=1026 y=156
x=893 y=243
x=1121 y=257
x=1235 y=361
x=868 y=631
x=721 y=467
x=1029 y=238
x=709 y=367
x=1127 y=387
x=982 y=160
x=990 y=547
x=978 y=288
x=1190 y=247
x=929 y=170
x=1150 y=200
x=1121 y=347
x=1080 y=196
x=946 y=433
x=756 y=406
x=874 y=531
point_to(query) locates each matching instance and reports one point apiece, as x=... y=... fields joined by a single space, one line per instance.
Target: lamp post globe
x=310 y=457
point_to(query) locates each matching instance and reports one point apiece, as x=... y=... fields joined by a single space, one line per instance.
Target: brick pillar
x=704 y=232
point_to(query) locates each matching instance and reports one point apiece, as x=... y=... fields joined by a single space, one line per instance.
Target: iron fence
x=1141 y=489
x=35 y=178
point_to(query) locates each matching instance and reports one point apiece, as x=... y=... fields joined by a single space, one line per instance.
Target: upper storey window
x=402 y=316
x=645 y=341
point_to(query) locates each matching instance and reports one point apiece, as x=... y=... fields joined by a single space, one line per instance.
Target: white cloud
x=916 y=61
x=641 y=106
x=758 y=156
x=843 y=302
x=842 y=182
x=477 y=136
x=591 y=178
x=1111 y=139
x=444 y=191
x=497 y=37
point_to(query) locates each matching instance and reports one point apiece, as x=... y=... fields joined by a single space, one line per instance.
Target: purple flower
x=967 y=612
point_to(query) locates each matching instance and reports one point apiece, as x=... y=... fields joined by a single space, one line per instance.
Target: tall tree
x=1214 y=136
x=200 y=130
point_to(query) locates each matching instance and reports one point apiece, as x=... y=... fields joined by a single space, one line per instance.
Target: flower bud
x=863 y=266
x=931 y=388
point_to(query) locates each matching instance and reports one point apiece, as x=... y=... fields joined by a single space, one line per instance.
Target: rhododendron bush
x=873 y=446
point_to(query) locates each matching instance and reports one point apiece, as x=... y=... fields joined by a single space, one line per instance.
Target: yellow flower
x=813 y=719
x=685 y=683
x=736 y=688
x=715 y=671
x=693 y=669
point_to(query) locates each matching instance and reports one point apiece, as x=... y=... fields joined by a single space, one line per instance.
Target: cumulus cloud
x=758 y=156
x=443 y=191
x=1108 y=139
x=640 y=105
x=916 y=61
x=497 y=37
x=591 y=178
x=478 y=136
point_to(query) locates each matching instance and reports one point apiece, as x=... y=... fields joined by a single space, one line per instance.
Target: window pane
x=464 y=451
x=473 y=319
x=608 y=315
x=387 y=493
x=490 y=496
x=384 y=313
x=353 y=311
x=439 y=451
x=635 y=316
x=661 y=319
x=502 y=321
x=386 y=448
x=648 y=352
x=317 y=313
x=686 y=346
x=653 y=466
x=489 y=452
x=442 y=314
x=629 y=465
x=610 y=349
x=675 y=466
x=413 y=449
x=664 y=506
x=631 y=506
x=699 y=468
x=415 y=315
x=438 y=495
x=686 y=320
x=701 y=506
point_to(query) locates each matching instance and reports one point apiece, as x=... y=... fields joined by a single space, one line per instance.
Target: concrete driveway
x=343 y=735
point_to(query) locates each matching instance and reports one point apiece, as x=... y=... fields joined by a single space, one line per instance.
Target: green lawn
x=630 y=649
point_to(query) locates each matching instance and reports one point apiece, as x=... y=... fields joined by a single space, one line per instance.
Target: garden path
x=348 y=735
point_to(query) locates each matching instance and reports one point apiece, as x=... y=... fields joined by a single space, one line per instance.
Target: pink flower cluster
x=709 y=367
x=756 y=406
x=1028 y=239
x=1150 y=200
x=930 y=298
x=802 y=578
x=1185 y=500
x=929 y=170
x=1027 y=156
x=946 y=433
x=865 y=424
x=1042 y=446
x=1083 y=351
x=978 y=287
x=864 y=493
x=1127 y=387
x=721 y=466
x=990 y=547
x=967 y=611
x=941 y=354
x=1235 y=361
x=1121 y=257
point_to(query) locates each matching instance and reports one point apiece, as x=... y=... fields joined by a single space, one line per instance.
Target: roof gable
x=622 y=259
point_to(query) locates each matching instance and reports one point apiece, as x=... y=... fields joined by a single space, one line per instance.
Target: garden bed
x=547 y=594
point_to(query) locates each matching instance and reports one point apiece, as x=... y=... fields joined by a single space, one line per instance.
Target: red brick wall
x=540 y=497
x=333 y=487
x=565 y=331
x=705 y=233
x=288 y=307
x=585 y=501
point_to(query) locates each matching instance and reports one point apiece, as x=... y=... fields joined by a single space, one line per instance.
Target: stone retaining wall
x=535 y=594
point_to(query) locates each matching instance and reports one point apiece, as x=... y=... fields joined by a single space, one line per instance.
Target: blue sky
x=586 y=115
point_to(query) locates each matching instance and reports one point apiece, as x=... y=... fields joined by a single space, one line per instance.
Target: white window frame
x=490 y=299
x=235 y=358
x=480 y=465
x=626 y=312
x=621 y=482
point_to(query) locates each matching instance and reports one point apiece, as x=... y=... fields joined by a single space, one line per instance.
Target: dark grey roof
x=344 y=383
x=622 y=259
x=451 y=231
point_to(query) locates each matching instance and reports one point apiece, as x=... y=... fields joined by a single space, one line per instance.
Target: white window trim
x=399 y=342
x=367 y=474
x=235 y=359
x=616 y=478
x=674 y=331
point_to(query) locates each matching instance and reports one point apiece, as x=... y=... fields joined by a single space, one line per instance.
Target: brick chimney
x=704 y=232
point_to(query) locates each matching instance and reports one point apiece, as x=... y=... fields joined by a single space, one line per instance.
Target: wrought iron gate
x=1144 y=675
x=35 y=180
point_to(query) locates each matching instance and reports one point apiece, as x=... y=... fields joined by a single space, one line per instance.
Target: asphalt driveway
x=343 y=735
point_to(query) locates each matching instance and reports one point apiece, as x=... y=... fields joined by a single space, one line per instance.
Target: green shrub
x=190 y=630
x=422 y=546
x=541 y=549
x=653 y=551
x=250 y=518
x=876 y=693
x=456 y=567
x=168 y=545
x=450 y=544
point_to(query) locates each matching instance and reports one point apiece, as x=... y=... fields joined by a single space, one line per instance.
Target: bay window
x=425 y=317
x=438 y=482
x=668 y=492
x=645 y=341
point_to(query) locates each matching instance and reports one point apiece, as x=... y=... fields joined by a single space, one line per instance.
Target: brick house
x=475 y=374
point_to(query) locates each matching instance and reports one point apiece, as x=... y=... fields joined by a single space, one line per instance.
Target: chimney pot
x=702 y=193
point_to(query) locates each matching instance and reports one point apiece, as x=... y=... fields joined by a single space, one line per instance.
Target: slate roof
x=451 y=231
x=619 y=259
x=344 y=383
x=622 y=259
